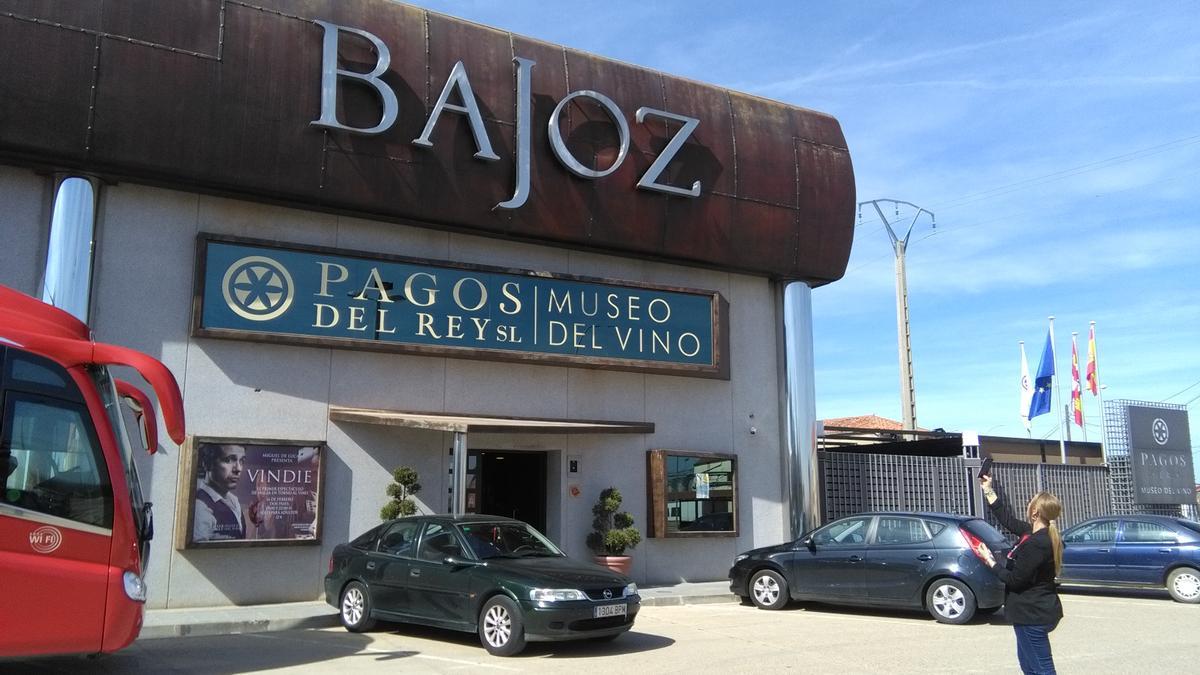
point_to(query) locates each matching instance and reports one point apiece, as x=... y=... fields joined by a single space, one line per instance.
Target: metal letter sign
x=458 y=80
x=305 y=295
x=1160 y=456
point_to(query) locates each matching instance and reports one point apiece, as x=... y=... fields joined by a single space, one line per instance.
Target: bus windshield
x=113 y=408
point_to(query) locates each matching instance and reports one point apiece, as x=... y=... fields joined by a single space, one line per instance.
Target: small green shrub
x=401 y=492
x=612 y=530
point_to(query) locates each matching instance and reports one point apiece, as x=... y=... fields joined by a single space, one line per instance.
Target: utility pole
x=908 y=394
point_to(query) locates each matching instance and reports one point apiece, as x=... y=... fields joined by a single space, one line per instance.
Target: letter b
x=329 y=82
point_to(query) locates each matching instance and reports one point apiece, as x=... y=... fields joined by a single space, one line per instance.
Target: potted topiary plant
x=612 y=532
x=401 y=492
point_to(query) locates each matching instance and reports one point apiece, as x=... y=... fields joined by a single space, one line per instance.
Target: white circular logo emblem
x=1161 y=433
x=607 y=593
x=45 y=539
x=257 y=288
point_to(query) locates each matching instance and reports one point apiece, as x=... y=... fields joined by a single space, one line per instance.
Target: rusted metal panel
x=220 y=96
x=194 y=26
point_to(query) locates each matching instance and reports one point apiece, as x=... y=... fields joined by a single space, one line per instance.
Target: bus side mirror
x=143 y=411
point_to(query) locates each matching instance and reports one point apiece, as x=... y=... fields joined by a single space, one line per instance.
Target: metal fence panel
x=1083 y=490
x=856 y=482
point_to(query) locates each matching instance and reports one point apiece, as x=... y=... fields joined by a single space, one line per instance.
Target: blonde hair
x=1046 y=506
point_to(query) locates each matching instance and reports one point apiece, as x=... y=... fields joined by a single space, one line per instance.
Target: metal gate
x=855 y=482
x=1083 y=490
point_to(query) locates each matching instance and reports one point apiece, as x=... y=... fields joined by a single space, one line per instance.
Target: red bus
x=74 y=529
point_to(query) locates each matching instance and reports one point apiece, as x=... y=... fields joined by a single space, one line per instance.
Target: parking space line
x=464 y=663
x=805 y=613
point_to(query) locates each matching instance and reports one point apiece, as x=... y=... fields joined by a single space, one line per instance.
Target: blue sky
x=1058 y=145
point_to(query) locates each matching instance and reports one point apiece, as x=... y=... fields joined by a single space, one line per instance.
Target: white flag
x=1026 y=389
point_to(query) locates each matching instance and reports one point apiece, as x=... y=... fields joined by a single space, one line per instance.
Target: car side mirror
x=807 y=542
x=459 y=561
x=143 y=411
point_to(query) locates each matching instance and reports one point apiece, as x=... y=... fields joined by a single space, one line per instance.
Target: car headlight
x=631 y=589
x=556 y=595
x=135 y=588
x=740 y=557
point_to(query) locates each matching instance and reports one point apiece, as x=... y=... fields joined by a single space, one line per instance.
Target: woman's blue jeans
x=1033 y=649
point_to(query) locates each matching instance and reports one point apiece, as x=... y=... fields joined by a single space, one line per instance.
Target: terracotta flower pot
x=621 y=564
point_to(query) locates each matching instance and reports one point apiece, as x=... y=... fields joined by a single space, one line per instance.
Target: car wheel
x=950 y=601
x=356 y=608
x=768 y=589
x=1184 y=585
x=501 y=629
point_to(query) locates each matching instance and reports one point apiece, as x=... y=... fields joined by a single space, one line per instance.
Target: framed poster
x=240 y=492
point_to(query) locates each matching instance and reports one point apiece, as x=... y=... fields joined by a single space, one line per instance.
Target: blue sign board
x=262 y=291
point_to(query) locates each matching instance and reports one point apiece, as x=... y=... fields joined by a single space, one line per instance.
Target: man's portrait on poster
x=255 y=492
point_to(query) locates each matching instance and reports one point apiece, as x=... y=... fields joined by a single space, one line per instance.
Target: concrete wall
x=24 y=228
x=142 y=298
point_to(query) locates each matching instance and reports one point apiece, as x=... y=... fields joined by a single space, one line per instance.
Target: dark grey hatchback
x=494 y=576
x=900 y=560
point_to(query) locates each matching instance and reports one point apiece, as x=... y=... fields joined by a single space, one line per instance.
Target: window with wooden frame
x=691 y=494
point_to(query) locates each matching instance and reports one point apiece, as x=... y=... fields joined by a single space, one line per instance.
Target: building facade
x=365 y=236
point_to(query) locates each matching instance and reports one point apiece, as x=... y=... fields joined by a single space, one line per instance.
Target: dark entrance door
x=511 y=484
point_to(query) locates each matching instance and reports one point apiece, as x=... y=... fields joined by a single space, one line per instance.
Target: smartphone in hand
x=985 y=467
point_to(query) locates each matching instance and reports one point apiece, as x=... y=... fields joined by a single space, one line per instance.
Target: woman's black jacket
x=1030 y=594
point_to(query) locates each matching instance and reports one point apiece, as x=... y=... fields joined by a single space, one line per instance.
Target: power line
x=954 y=227
x=1180 y=392
x=1067 y=173
x=1058 y=175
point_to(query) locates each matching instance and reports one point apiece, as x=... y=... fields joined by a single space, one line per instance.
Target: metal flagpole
x=1076 y=382
x=1062 y=444
x=1026 y=392
x=1099 y=393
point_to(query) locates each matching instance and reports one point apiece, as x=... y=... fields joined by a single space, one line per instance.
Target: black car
x=902 y=560
x=494 y=576
x=1135 y=551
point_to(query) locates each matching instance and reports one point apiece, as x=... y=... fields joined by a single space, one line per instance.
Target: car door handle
x=924 y=557
x=371 y=565
x=414 y=572
x=1165 y=550
x=856 y=558
x=1101 y=550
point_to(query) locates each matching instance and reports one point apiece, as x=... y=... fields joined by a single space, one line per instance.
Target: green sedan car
x=497 y=577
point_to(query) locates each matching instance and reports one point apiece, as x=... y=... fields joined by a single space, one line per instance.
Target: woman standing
x=1031 y=600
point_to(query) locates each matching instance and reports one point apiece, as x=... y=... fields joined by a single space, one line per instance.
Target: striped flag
x=1093 y=379
x=1076 y=391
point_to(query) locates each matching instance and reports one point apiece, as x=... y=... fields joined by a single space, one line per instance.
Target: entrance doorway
x=509 y=484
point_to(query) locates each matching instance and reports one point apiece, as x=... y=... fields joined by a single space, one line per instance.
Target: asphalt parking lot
x=1101 y=634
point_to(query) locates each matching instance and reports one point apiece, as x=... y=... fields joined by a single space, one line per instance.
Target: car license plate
x=610 y=610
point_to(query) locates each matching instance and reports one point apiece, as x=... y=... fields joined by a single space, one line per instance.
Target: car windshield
x=1189 y=524
x=507 y=540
